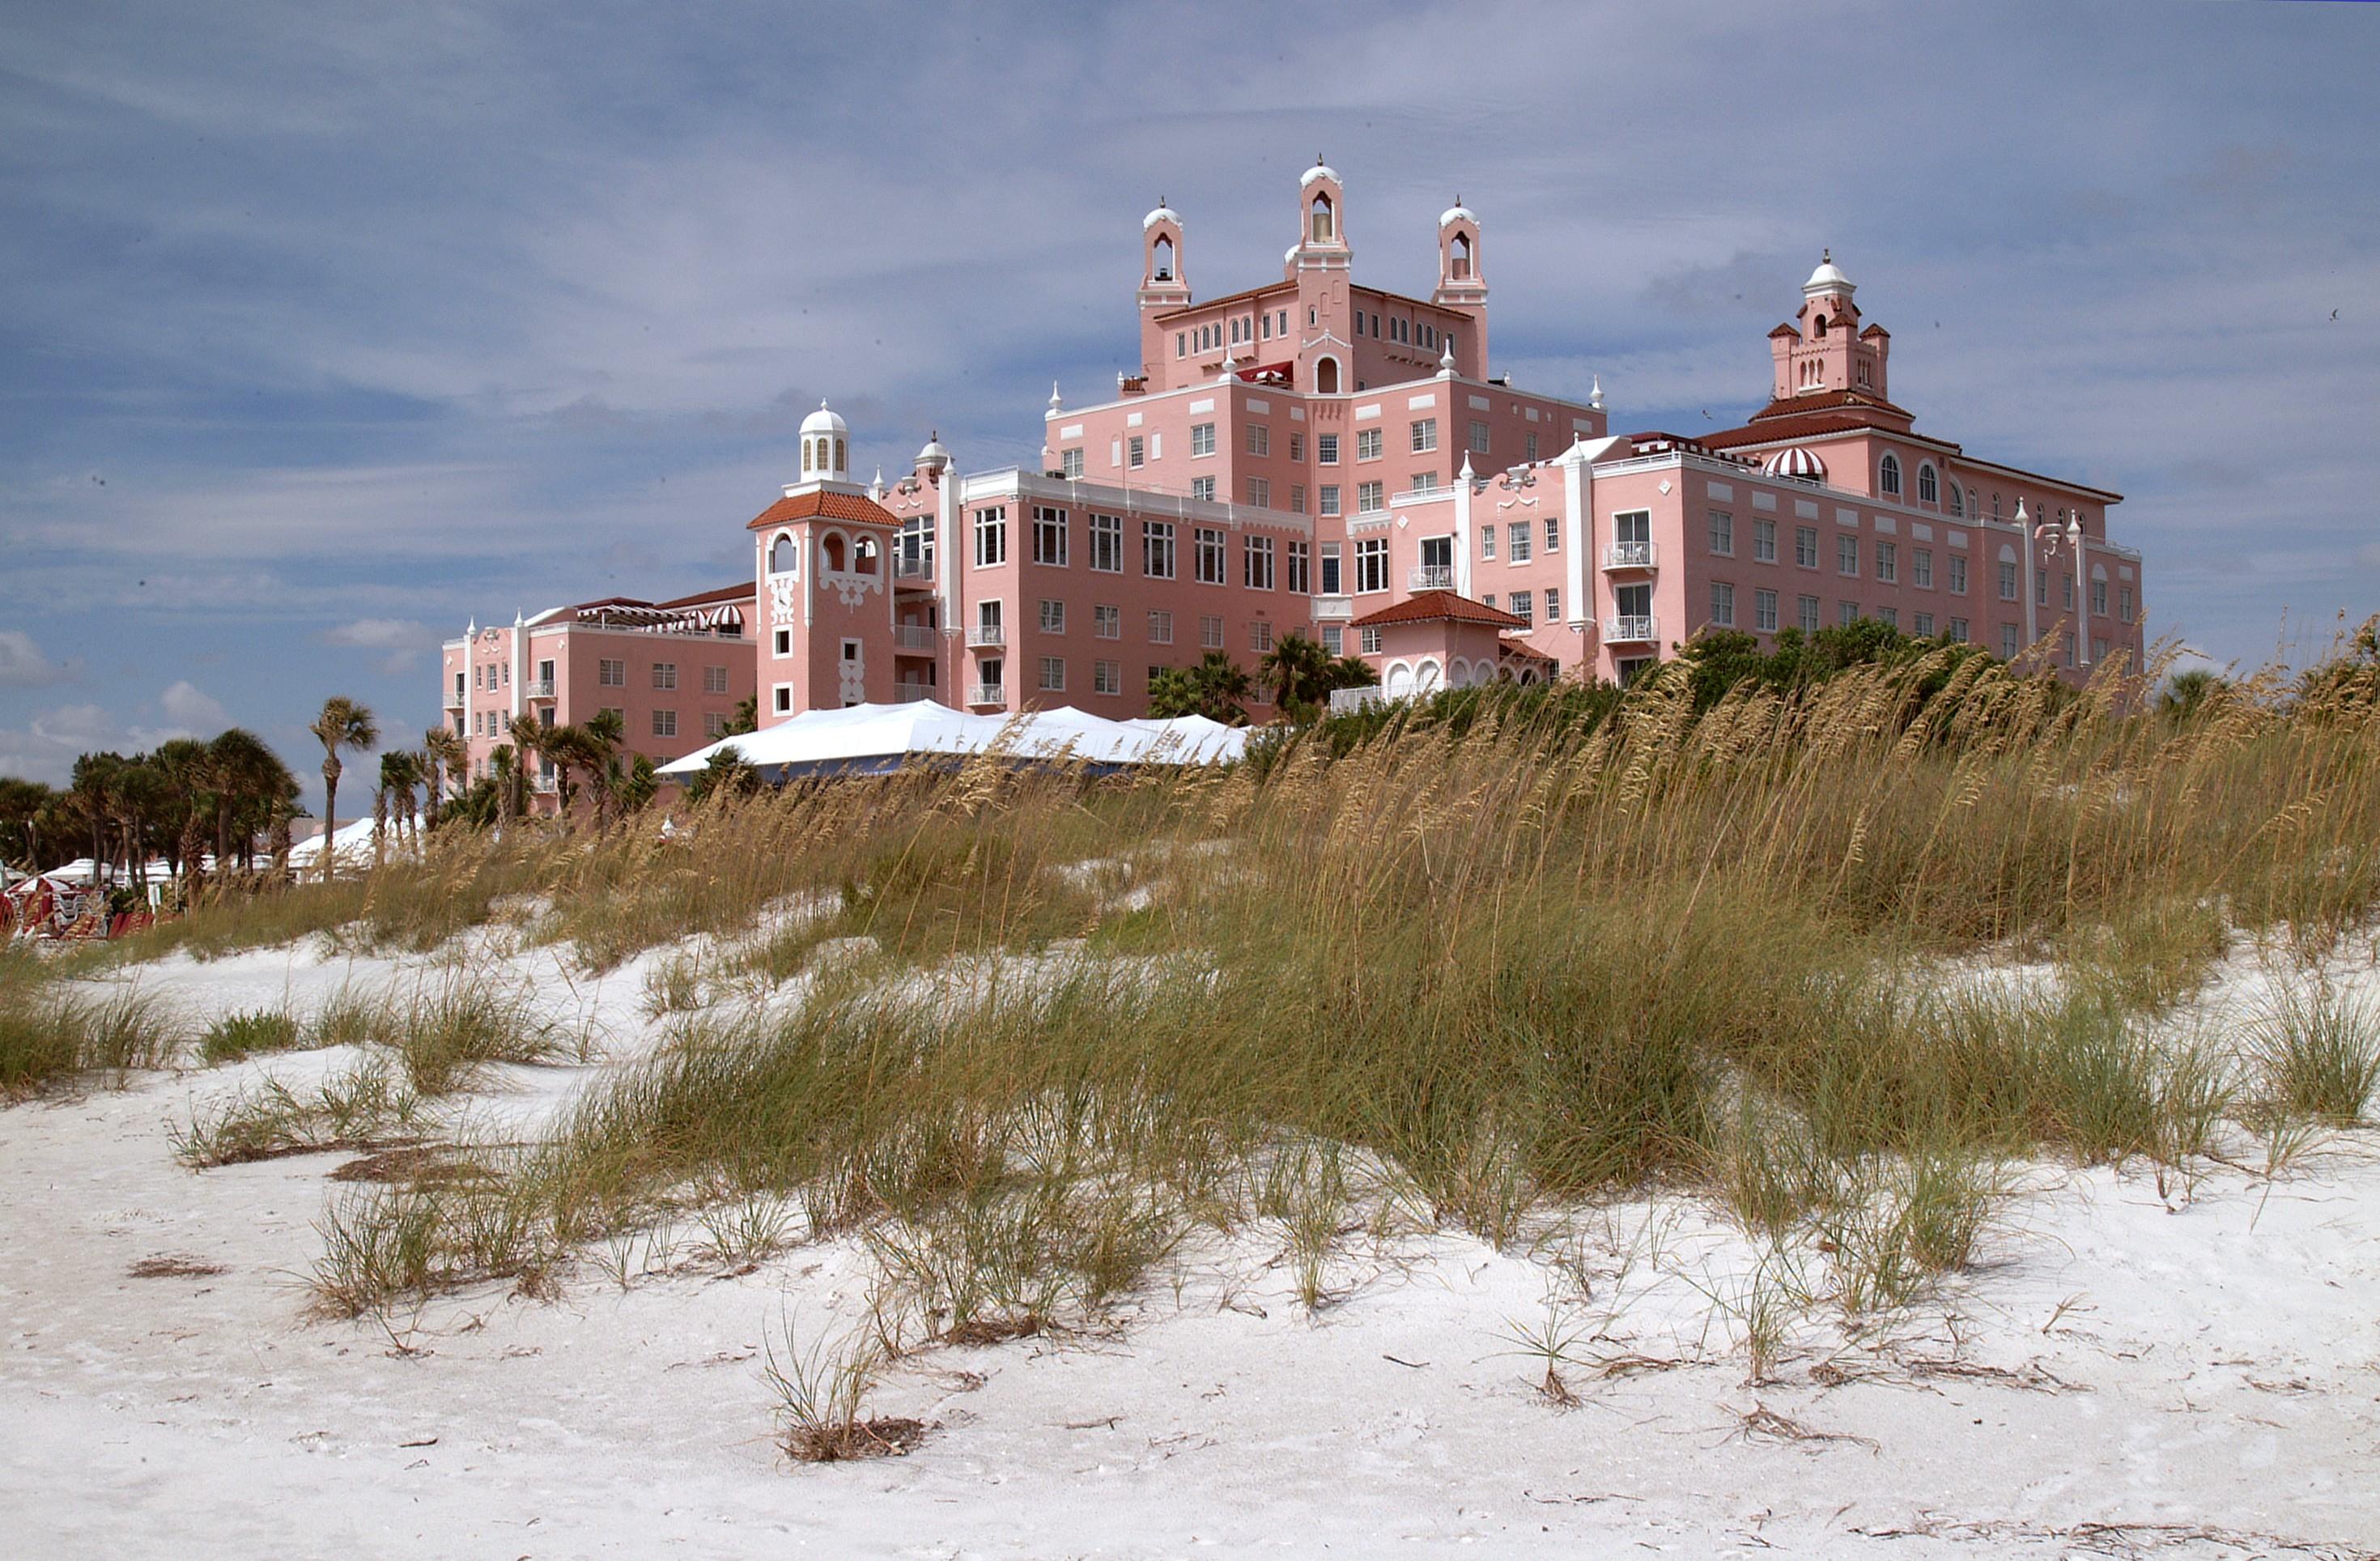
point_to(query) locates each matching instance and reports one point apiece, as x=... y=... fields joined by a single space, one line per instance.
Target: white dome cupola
x=826 y=447
x=1827 y=278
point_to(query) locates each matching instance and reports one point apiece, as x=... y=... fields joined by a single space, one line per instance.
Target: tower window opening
x=1163 y=271
x=1818 y=327
x=1461 y=267
x=1318 y=228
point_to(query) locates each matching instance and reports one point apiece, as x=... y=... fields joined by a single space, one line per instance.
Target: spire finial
x=1826 y=255
x=1317 y=160
x=1595 y=396
x=1055 y=402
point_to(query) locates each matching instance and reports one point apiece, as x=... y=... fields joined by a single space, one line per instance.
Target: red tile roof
x=1439 y=606
x=741 y=590
x=827 y=504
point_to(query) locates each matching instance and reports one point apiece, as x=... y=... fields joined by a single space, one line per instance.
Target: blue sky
x=324 y=328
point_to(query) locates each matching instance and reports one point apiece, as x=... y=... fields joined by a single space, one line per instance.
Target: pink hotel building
x=1316 y=456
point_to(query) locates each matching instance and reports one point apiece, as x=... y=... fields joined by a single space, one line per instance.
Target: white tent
x=354 y=845
x=879 y=739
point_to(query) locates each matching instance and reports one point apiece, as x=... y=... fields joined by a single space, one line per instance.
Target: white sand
x=2202 y=1376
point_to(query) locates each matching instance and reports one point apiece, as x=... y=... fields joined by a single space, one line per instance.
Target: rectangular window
x=1524 y=605
x=1723 y=603
x=1805 y=546
x=1070 y=462
x=1107 y=621
x=1259 y=438
x=2066 y=587
x=1553 y=606
x=714 y=680
x=1423 y=483
x=1957 y=629
x=610 y=674
x=1210 y=632
x=1334 y=640
x=2041 y=588
x=1923 y=625
x=1135 y=452
x=2124 y=603
x=1331 y=578
x=1888 y=616
x=1260 y=492
x=1256 y=563
x=1478 y=437
x=1297 y=447
x=1372 y=564
x=1297 y=498
x=1301 y=567
x=1369 y=641
x=992 y=536
x=664 y=723
x=1210 y=543
x=1326 y=449
x=1053 y=616
x=1806 y=610
x=1106 y=543
x=1425 y=435
x=1367 y=444
x=1488 y=542
x=780 y=699
x=1370 y=497
x=1723 y=533
x=2008 y=630
x=1921 y=567
x=1490 y=600
x=713 y=724
x=1888 y=562
x=1958 y=562
x=1529 y=447
x=1763 y=542
x=2099 y=598
x=1181 y=344
x=1203 y=488
x=1553 y=535
x=1764 y=611
x=1160 y=627
x=1847 y=556
x=1157 y=549
x=1329 y=498
x=1053 y=674
x=2008 y=579
x=1847 y=611
x=664 y=675
x=1107 y=678
x=1260 y=636
x=1516 y=541
x=1202 y=438
x=1049 y=535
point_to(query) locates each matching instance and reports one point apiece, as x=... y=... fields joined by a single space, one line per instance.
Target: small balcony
x=1430 y=576
x=913 y=568
x=542 y=784
x=1631 y=629
x=454 y=700
x=911 y=693
x=915 y=635
x=537 y=687
x=986 y=634
x=988 y=693
x=1629 y=555
x=1334 y=607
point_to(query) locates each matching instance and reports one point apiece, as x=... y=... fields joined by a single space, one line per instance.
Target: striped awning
x=1794 y=461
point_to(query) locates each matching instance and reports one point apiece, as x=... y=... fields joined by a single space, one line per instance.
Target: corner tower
x=1822 y=347
x=822 y=571
x=1463 y=286
x=1319 y=263
x=1163 y=284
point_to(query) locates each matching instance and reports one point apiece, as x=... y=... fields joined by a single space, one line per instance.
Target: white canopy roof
x=872 y=738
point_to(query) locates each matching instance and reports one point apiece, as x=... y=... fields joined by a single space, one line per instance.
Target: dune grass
x=54 y=1034
x=1516 y=968
x=244 y=1034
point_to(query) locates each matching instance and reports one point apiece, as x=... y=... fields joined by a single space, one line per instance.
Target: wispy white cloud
x=22 y=665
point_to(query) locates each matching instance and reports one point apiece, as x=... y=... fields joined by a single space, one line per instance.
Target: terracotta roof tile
x=825 y=502
x=741 y=590
x=1439 y=606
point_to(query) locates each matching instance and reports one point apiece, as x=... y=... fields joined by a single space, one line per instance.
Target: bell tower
x=1463 y=286
x=1824 y=349
x=1164 y=286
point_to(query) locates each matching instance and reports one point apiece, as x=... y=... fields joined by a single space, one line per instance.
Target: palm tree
x=399 y=773
x=1215 y=688
x=503 y=762
x=250 y=781
x=447 y=757
x=746 y=719
x=343 y=723
x=598 y=741
x=532 y=739
x=25 y=809
x=1299 y=671
x=724 y=773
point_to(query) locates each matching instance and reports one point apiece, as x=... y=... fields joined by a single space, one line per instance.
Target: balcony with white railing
x=1631 y=629
x=911 y=693
x=538 y=689
x=545 y=784
x=913 y=636
x=988 y=693
x=1430 y=576
x=1334 y=607
x=1629 y=555
x=987 y=635
x=454 y=700
x=913 y=568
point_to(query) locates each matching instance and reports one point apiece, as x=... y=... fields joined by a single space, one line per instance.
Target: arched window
x=1163 y=269
x=1957 y=503
x=1318 y=225
x=865 y=552
x=1887 y=476
x=830 y=550
x=1818 y=325
x=1927 y=491
x=841 y=460
x=781 y=554
x=1460 y=269
x=1326 y=377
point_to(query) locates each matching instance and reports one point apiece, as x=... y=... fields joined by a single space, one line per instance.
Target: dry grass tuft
x=174 y=1266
